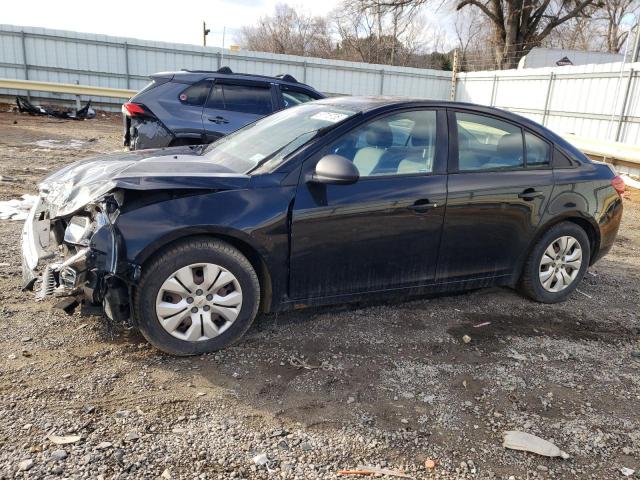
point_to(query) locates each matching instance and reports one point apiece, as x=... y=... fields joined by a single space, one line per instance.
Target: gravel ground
x=390 y=385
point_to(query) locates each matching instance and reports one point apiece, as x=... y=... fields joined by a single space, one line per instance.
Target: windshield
x=269 y=141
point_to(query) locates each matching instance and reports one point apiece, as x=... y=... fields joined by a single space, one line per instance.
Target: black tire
x=181 y=254
x=530 y=283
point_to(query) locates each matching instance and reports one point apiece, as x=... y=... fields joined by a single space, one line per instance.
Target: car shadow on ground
x=385 y=364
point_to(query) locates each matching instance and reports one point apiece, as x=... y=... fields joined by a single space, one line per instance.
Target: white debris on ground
x=531 y=443
x=16 y=209
x=51 y=144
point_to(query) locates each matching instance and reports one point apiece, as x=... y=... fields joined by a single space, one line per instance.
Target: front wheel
x=197 y=296
x=556 y=264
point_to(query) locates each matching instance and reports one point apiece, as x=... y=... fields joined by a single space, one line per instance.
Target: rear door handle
x=422 y=206
x=530 y=194
x=218 y=120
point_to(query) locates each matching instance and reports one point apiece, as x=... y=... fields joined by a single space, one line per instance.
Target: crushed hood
x=82 y=182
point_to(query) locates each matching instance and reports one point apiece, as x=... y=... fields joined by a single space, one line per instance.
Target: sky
x=169 y=21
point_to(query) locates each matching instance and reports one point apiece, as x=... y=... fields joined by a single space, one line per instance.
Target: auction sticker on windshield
x=332 y=117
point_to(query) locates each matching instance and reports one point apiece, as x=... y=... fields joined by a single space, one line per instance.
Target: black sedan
x=328 y=202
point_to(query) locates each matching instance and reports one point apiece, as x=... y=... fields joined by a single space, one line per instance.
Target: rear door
x=233 y=104
x=497 y=193
x=382 y=232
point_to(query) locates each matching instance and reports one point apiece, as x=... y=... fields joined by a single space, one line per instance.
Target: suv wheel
x=557 y=263
x=196 y=297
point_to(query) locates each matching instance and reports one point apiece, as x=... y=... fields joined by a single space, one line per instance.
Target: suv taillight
x=618 y=183
x=133 y=109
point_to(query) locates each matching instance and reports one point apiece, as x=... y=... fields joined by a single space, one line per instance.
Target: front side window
x=538 y=151
x=292 y=97
x=485 y=143
x=398 y=144
x=241 y=98
x=196 y=94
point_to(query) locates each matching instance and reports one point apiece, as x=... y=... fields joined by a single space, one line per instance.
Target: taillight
x=133 y=109
x=618 y=184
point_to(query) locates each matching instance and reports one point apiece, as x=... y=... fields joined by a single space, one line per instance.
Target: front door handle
x=218 y=120
x=422 y=206
x=530 y=194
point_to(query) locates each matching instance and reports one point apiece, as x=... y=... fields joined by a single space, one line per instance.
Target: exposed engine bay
x=75 y=255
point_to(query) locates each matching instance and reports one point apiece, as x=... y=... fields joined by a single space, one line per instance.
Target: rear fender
x=574 y=216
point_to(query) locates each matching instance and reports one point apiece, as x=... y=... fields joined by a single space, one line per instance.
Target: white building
x=554 y=57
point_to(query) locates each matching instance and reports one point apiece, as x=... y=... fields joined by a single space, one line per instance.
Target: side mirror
x=335 y=169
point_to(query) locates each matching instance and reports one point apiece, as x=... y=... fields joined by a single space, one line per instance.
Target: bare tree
x=288 y=32
x=380 y=31
x=611 y=15
x=601 y=31
x=474 y=37
x=520 y=25
x=580 y=33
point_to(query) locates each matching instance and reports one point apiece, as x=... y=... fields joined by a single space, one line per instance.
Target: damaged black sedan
x=328 y=202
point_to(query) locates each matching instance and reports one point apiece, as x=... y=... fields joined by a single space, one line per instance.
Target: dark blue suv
x=198 y=107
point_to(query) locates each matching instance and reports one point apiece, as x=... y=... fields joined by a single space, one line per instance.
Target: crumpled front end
x=76 y=255
x=71 y=245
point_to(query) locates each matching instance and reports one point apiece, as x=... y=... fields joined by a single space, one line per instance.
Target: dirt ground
x=390 y=385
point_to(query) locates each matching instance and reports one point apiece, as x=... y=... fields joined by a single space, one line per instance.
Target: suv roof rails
x=226 y=70
x=287 y=78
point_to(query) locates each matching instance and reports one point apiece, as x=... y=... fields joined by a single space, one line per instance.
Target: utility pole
x=222 y=50
x=454 y=75
x=205 y=32
x=635 y=54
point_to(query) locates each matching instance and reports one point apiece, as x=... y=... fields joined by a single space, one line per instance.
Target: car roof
x=368 y=103
x=192 y=76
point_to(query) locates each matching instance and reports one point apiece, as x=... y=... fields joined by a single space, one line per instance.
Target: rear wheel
x=196 y=297
x=557 y=263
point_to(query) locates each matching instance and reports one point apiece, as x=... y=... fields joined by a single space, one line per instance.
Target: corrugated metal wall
x=72 y=57
x=596 y=101
x=586 y=100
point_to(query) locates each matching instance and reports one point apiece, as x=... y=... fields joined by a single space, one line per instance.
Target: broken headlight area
x=73 y=255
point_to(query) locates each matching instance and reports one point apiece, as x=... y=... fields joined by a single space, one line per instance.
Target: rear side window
x=486 y=143
x=196 y=94
x=291 y=98
x=560 y=160
x=538 y=151
x=241 y=98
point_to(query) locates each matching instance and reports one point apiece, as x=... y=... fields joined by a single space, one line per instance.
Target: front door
x=231 y=106
x=382 y=232
x=498 y=190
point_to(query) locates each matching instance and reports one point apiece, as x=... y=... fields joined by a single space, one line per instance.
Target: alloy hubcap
x=560 y=264
x=199 y=302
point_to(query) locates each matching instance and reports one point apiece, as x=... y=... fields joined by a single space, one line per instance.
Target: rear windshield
x=148 y=87
x=268 y=142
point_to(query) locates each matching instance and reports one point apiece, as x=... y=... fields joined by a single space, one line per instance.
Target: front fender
x=257 y=217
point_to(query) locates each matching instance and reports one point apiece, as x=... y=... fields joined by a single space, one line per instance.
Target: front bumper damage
x=78 y=256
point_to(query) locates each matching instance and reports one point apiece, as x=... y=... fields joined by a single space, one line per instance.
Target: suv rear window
x=241 y=98
x=196 y=94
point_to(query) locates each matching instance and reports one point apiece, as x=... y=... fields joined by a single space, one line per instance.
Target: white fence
x=89 y=59
x=596 y=101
